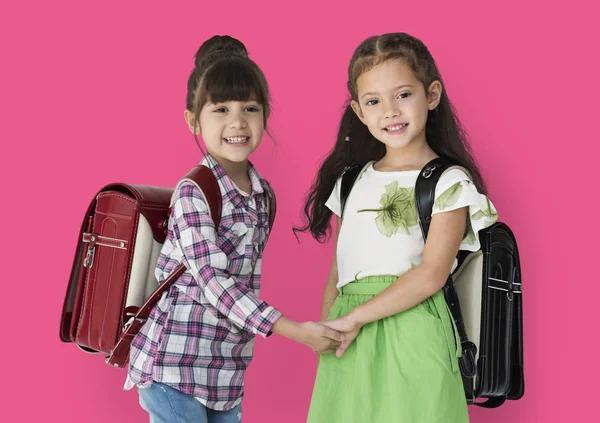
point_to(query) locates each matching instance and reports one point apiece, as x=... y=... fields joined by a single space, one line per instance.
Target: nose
x=391 y=110
x=238 y=121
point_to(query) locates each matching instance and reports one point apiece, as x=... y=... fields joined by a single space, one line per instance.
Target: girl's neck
x=237 y=172
x=411 y=157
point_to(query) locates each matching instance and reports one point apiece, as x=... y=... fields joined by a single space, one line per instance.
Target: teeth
x=396 y=127
x=236 y=139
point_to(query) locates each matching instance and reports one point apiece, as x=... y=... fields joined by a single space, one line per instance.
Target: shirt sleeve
x=333 y=203
x=196 y=235
x=456 y=190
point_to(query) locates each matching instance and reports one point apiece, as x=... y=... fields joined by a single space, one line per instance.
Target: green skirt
x=401 y=369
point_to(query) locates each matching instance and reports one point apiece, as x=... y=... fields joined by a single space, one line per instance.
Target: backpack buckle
x=467 y=362
x=131 y=321
x=428 y=171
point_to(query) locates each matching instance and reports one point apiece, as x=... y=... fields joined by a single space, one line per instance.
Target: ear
x=356 y=107
x=434 y=94
x=190 y=119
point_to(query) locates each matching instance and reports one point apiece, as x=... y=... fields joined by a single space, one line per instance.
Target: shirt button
x=251 y=201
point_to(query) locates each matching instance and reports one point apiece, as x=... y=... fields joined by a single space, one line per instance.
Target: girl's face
x=232 y=130
x=394 y=105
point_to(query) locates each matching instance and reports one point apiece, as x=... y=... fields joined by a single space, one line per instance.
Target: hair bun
x=219 y=46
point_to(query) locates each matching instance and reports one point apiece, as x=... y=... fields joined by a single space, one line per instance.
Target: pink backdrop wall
x=94 y=92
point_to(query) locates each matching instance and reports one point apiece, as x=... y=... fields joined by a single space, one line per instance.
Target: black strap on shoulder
x=425 y=197
x=425 y=190
x=348 y=180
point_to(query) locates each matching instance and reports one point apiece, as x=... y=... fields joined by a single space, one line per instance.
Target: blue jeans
x=168 y=405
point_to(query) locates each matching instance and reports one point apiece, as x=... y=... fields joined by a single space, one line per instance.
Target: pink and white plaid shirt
x=199 y=338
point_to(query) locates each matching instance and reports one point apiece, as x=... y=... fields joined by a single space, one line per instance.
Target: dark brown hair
x=443 y=130
x=224 y=72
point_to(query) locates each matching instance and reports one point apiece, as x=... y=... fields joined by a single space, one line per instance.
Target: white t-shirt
x=380 y=233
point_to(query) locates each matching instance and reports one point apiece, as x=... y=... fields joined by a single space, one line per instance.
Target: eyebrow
x=394 y=89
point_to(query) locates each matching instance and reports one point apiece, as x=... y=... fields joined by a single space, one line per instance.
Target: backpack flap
x=121 y=237
x=501 y=367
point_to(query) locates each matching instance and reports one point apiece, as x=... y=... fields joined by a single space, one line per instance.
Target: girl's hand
x=318 y=336
x=349 y=327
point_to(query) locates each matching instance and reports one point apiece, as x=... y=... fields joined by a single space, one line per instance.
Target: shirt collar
x=227 y=186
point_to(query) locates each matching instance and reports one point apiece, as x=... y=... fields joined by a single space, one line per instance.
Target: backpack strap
x=425 y=197
x=206 y=181
x=349 y=177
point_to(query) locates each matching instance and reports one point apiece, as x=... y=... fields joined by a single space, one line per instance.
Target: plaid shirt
x=199 y=337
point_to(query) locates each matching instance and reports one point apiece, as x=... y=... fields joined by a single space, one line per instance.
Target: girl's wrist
x=357 y=317
x=287 y=328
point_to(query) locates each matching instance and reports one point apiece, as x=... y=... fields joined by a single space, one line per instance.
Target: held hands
x=319 y=337
x=349 y=327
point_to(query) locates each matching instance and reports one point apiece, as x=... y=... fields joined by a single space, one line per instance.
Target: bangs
x=233 y=79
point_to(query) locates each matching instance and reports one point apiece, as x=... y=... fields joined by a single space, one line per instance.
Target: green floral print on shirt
x=398 y=210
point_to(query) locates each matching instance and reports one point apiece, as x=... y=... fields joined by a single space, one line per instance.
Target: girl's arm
x=443 y=241
x=197 y=237
x=330 y=292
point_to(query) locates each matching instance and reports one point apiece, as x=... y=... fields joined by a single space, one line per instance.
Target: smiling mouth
x=395 y=128
x=236 y=140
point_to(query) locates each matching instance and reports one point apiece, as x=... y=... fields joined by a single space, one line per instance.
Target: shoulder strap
x=207 y=183
x=425 y=190
x=349 y=177
x=424 y=198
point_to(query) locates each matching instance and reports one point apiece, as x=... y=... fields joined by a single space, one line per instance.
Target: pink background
x=95 y=93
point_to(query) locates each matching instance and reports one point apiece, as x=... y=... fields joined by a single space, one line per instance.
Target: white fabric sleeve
x=454 y=191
